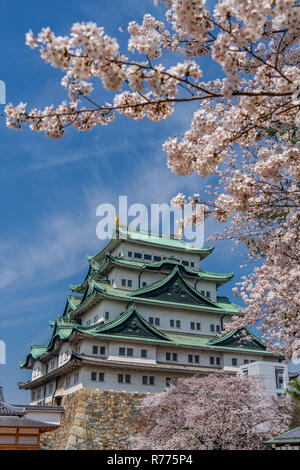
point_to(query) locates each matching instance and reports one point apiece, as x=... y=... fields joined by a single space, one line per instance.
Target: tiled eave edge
x=94 y=298
x=172 y=343
x=114 y=243
x=168 y=344
x=283 y=441
x=112 y=261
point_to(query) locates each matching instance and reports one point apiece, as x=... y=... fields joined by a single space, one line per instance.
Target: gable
x=234 y=339
x=174 y=289
x=130 y=323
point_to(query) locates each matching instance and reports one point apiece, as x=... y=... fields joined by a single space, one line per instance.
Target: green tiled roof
x=152 y=239
x=97 y=268
x=156 y=293
x=36 y=351
x=225 y=304
x=162 y=240
x=174 y=289
x=130 y=325
x=167 y=262
x=206 y=342
x=234 y=339
x=292 y=436
x=72 y=303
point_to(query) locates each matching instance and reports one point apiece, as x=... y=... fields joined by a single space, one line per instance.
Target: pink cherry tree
x=245 y=131
x=216 y=412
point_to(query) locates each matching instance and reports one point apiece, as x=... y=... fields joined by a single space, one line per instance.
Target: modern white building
x=146 y=313
x=274 y=375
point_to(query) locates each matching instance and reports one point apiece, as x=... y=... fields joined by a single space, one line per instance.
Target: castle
x=145 y=314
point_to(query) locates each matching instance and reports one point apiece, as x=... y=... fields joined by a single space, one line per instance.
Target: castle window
x=246 y=361
x=218 y=328
x=185 y=263
x=101 y=376
x=121 y=351
x=144 y=284
x=168 y=356
x=157 y=258
x=95 y=349
x=128 y=379
x=174 y=356
x=123 y=282
x=211 y=360
x=106 y=315
x=190 y=357
x=147 y=257
x=129 y=352
x=218 y=361
x=151 y=380
x=197 y=359
x=151 y=320
x=212 y=328
x=168 y=381
x=202 y=292
x=52 y=365
x=130 y=254
x=192 y=264
x=157 y=321
x=178 y=323
x=143 y=352
x=102 y=349
x=192 y=325
x=234 y=361
x=120 y=378
x=172 y=323
x=94 y=376
x=198 y=326
x=208 y=294
x=279 y=377
x=145 y=380
x=129 y=283
x=138 y=255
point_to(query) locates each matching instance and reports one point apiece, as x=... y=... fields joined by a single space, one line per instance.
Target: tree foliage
x=214 y=412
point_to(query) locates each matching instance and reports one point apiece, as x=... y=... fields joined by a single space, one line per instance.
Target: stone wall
x=96 y=420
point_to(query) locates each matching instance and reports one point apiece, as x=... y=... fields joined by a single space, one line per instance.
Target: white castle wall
x=122 y=251
x=165 y=314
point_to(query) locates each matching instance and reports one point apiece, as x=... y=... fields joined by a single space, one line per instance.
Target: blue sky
x=50 y=189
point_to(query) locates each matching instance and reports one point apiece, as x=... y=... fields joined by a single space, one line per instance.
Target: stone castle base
x=96 y=420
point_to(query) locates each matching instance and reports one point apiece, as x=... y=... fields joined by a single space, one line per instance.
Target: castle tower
x=145 y=314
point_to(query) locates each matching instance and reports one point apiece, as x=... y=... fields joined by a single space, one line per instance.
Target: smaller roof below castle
x=8 y=410
x=289 y=437
x=24 y=422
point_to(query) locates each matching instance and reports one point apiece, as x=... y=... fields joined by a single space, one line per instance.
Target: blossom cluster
x=216 y=412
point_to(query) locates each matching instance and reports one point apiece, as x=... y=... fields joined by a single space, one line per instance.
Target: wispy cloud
x=54 y=248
